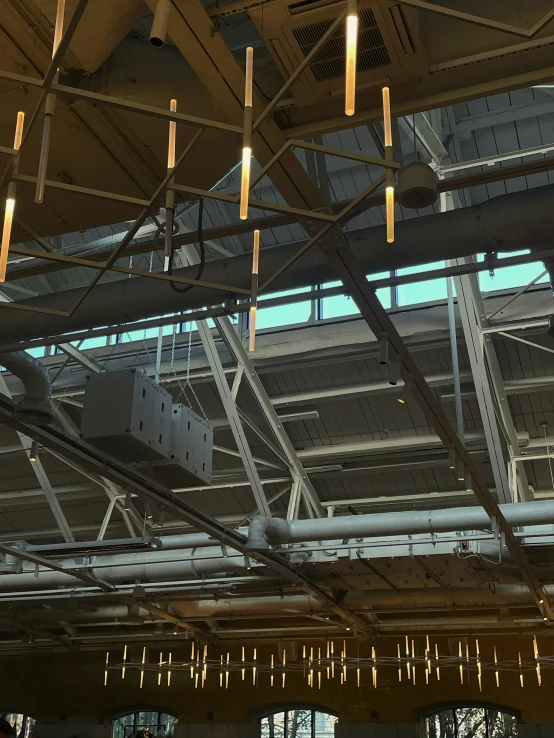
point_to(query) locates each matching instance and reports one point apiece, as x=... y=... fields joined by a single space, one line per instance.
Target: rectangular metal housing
x=127 y=415
x=190 y=452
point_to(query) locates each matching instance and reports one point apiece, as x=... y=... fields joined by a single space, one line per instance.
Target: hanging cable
x=202 y=263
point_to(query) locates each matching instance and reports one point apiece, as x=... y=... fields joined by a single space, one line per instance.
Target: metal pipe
x=36 y=406
x=264 y=532
x=140 y=567
x=515 y=220
x=159 y=24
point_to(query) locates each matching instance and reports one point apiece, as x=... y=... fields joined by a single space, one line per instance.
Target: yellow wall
x=51 y=686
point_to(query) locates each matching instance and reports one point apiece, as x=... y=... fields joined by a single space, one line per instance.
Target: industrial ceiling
x=310 y=425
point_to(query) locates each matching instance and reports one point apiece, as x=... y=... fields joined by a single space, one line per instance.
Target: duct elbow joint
x=262 y=532
x=36 y=406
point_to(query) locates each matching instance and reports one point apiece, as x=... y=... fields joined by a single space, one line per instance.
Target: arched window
x=21 y=723
x=471 y=722
x=160 y=724
x=298 y=724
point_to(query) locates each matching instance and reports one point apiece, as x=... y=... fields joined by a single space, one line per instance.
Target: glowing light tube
x=124 y=662
x=351 y=49
x=106 y=669
x=19 y=130
x=172 y=136
x=246 y=135
x=58 y=28
x=142 y=669
x=7 y=231
x=390 y=213
x=386 y=116
x=254 y=291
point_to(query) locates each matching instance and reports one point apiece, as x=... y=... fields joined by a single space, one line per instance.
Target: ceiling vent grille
x=328 y=63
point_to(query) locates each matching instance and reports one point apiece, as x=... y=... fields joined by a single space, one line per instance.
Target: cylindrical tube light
x=172 y=136
x=49 y=109
x=246 y=135
x=169 y=671
x=19 y=130
x=254 y=291
x=170 y=194
x=142 y=664
x=58 y=28
x=106 y=669
x=386 y=117
x=7 y=230
x=124 y=662
x=351 y=47
x=158 y=31
x=389 y=174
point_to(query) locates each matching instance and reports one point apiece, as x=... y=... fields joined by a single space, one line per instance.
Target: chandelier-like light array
x=319 y=663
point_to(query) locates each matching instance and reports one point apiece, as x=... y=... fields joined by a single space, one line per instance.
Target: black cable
x=202 y=263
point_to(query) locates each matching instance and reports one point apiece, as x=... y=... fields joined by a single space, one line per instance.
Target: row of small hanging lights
x=319 y=663
x=352 y=23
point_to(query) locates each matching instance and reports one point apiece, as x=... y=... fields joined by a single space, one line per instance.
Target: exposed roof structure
x=406 y=392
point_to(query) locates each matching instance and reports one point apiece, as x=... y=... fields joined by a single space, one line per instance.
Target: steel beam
x=43 y=480
x=77 y=452
x=80 y=357
x=237 y=350
x=233 y=416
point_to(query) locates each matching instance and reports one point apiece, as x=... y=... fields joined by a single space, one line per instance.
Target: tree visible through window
x=471 y=722
x=21 y=723
x=298 y=724
x=159 y=724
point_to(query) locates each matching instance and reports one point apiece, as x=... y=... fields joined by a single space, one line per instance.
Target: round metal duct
x=417 y=186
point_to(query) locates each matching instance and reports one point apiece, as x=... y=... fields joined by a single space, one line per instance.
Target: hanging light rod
x=49 y=109
x=170 y=193
x=389 y=172
x=246 y=135
x=10 y=201
x=254 y=291
x=351 y=53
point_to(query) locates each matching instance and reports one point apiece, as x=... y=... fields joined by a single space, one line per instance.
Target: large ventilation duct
x=507 y=223
x=264 y=532
x=143 y=567
x=36 y=406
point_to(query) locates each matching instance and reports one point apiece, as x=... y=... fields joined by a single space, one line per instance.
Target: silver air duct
x=507 y=223
x=36 y=406
x=264 y=532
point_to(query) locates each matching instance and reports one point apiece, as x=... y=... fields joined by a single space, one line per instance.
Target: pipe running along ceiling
x=507 y=223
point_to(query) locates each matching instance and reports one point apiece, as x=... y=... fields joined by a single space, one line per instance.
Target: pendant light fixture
x=49 y=109
x=246 y=135
x=10 y=202
x=170 y=193
x=351 y=52
x=254 y=291
x=389 y=172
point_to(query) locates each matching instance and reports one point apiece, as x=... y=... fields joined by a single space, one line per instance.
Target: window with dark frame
x=471 y=722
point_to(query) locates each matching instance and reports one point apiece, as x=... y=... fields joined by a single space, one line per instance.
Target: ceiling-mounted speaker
x=417 y=186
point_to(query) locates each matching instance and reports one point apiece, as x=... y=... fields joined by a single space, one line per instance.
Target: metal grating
x=328 y=63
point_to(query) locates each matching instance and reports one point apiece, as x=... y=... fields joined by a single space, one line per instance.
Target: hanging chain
x=187 y=382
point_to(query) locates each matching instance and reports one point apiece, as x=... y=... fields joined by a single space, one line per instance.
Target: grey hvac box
x=190 y=452
x=127 y=415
